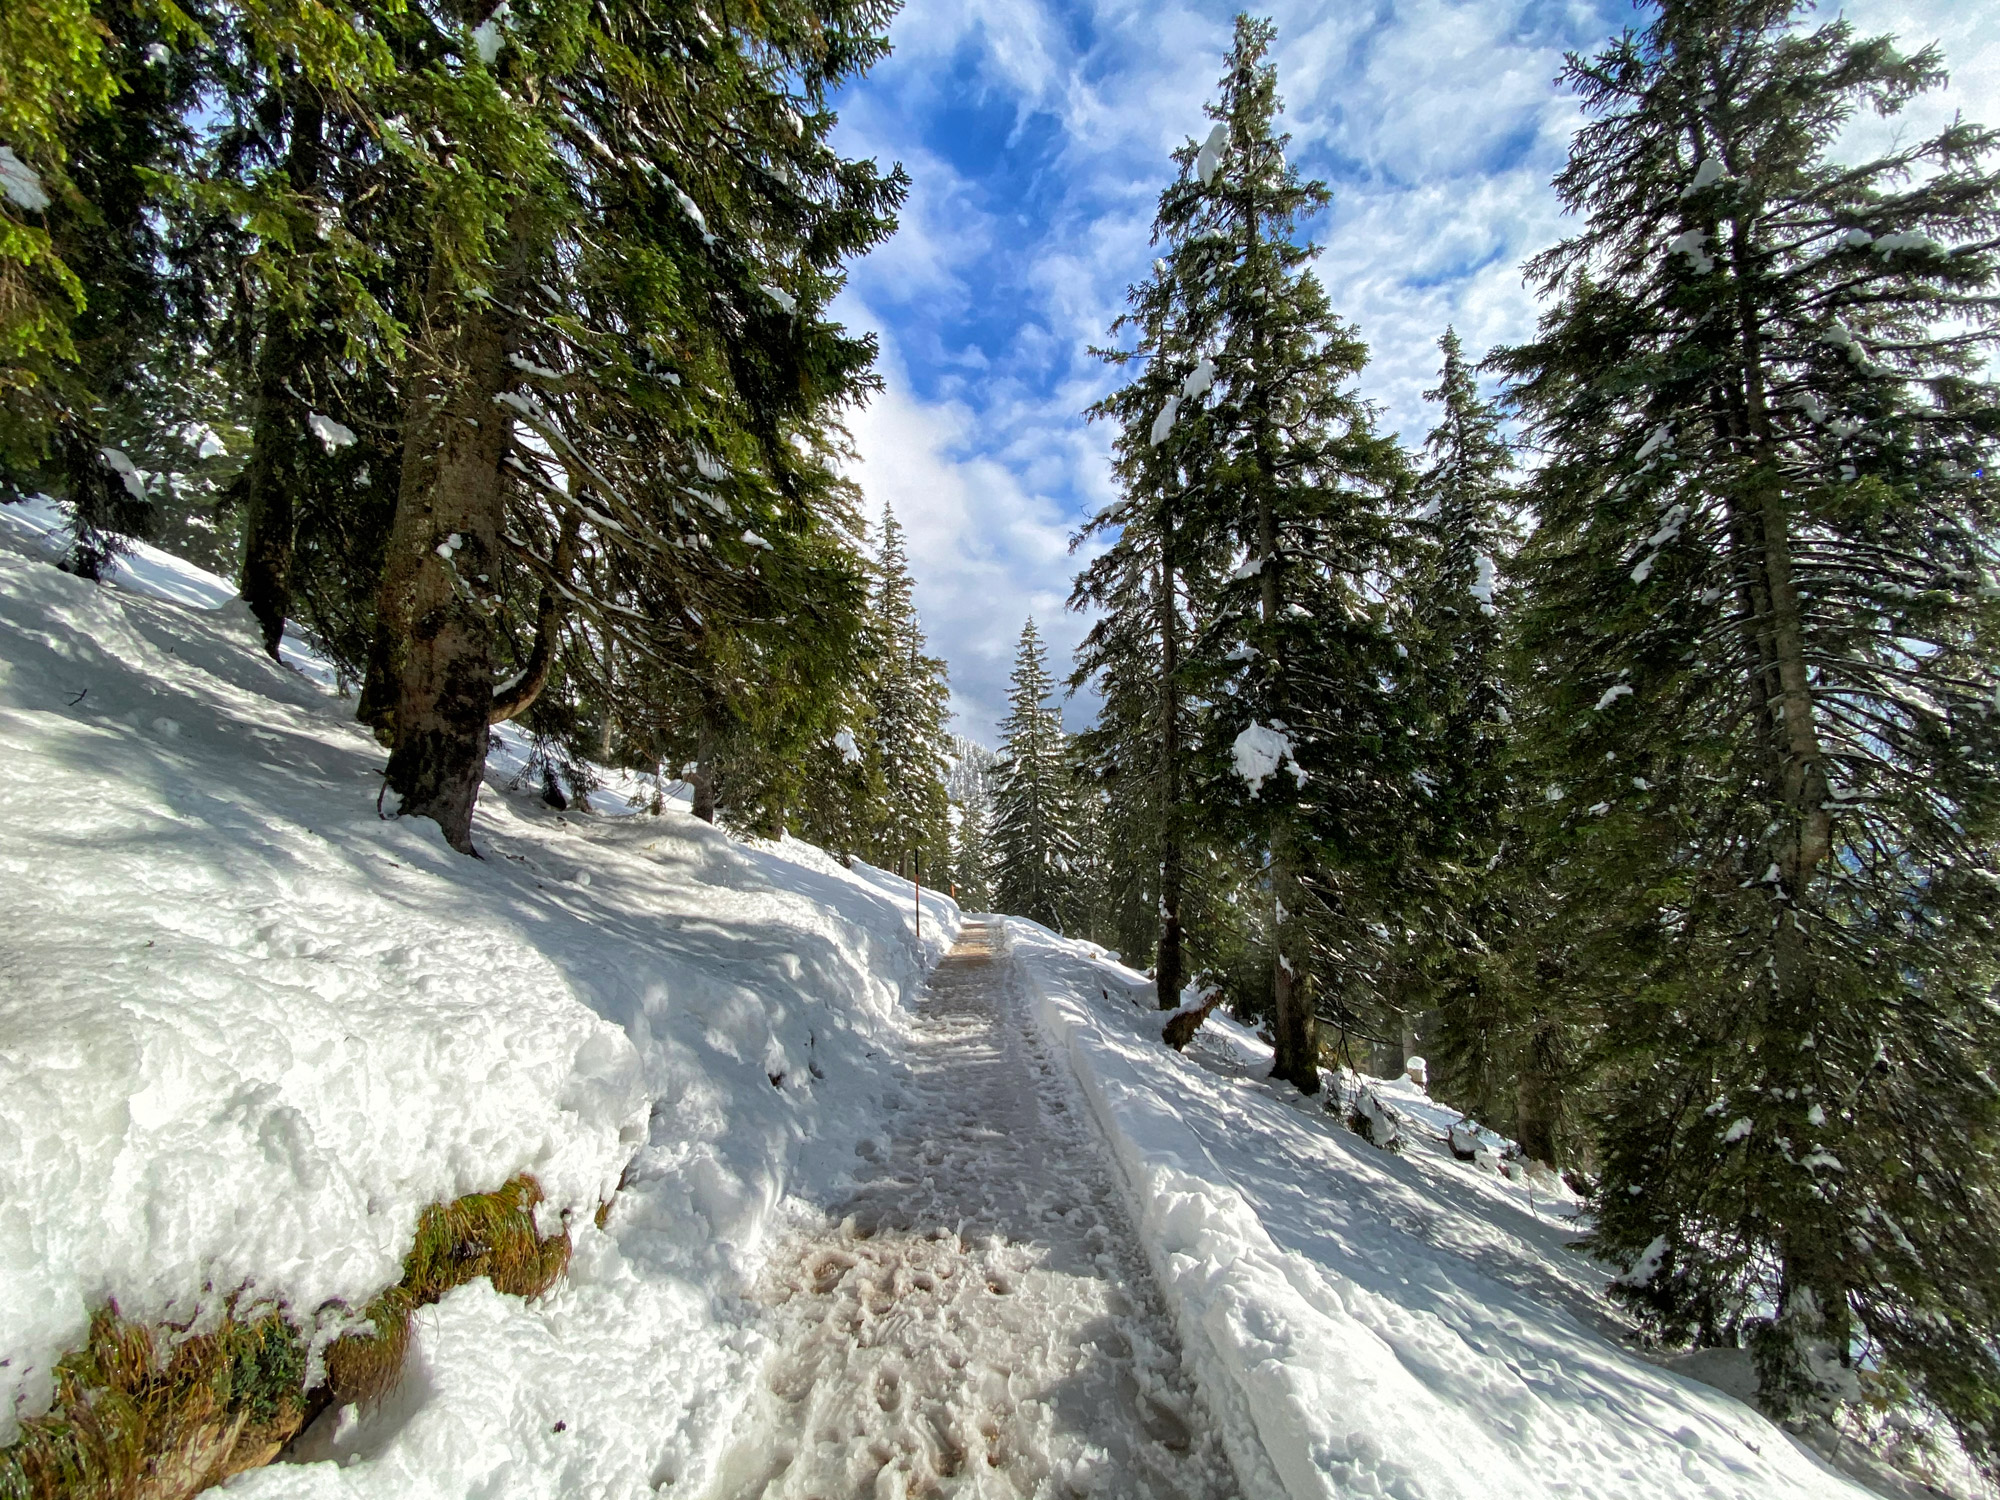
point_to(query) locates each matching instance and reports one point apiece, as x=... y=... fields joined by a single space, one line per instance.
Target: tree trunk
x=1296 y=1025
x=1168 y=965
x=272 y=476
x=519 y=696
x=701 y=782
x=444 y=552
x=1538 y=1098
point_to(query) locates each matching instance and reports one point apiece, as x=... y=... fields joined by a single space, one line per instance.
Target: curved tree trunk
x=519 y=696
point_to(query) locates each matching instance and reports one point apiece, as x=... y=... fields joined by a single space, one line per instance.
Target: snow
x=1656 y=440
x=1200 y=379
x=1911 y=240
x=975 y=1316
x=254 y=1029
x=36 y=524
x=855 y=1231
x=491 y=34
x=1209 y=158
x=845 y=743
x=1258 y=752
x=1365 y=1322
x=126 y=470
x=1690 y=243
x=527 y=366
x=783 y=298
x=204 y=440
x=1707 y=175
x=752 y=539
x=20 y=183
x=693 y=211
x=1164 y=422
x=1841 y=337
x=333 y=434
x=1484 y=575
x=1613 y=693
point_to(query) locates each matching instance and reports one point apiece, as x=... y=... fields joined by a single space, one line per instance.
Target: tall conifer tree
x=1283 y=462
x=1762 y=608
x=1463 y=497
x=910 y=702
x=1034 y=838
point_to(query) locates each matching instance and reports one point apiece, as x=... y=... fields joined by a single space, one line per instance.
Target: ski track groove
x=976 y=1318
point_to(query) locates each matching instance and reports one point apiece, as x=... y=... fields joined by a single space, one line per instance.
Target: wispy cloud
x=1038 y=136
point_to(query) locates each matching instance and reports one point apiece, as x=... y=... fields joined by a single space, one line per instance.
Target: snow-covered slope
x=248 y=1029
x=1377 y=1323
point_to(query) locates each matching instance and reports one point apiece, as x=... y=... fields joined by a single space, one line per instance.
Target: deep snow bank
x=1368 y=1323
x=248 y=1029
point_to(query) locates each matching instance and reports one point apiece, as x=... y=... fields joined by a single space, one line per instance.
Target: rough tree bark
x=445 y=552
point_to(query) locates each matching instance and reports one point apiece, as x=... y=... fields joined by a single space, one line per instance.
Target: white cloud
x=987 y=550
x=1436 y=123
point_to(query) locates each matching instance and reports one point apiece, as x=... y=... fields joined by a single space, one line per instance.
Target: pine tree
x=910 y=703
x=633 y=229
x=1284 y=462
x=1455 y=671
x=1138 y=751
x=1034 y=839
x=1761 y=613
x=89 y=235
x=56 y=65
x=972 y=857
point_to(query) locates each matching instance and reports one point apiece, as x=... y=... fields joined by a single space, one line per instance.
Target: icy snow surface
x=1369 y=1323
x=251 y=1029
x=975 y=1315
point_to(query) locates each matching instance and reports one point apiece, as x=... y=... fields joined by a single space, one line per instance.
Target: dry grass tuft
x=161 y=1414
x=482 y=1234
x=157 y=1414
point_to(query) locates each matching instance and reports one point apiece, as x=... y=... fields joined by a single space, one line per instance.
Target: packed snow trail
x=977 y=1318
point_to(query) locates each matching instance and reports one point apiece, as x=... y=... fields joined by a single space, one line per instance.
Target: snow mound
x=252 y=1029
x=1364 y=1322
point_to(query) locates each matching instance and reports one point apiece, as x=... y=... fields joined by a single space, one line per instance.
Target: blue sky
x=1037 y=134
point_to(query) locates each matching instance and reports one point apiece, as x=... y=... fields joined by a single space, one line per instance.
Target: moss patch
x=145 y=1413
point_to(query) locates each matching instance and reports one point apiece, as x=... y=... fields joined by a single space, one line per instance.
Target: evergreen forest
x=1626 y=745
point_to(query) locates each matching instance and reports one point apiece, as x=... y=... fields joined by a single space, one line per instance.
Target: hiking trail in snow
x=976 y=1318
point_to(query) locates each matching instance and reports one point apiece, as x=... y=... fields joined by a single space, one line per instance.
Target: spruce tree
x=1140 y=587
x=1034 y=840
x=621 y=394
x=972 y=857
x=1455 y=673
x=1284 y=463
x=1761 y=608
x=910 y=700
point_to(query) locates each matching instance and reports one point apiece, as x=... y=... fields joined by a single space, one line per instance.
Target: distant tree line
x=486 y=344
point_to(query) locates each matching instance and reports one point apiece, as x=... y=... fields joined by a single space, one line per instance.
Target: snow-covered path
x=977 y=1317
